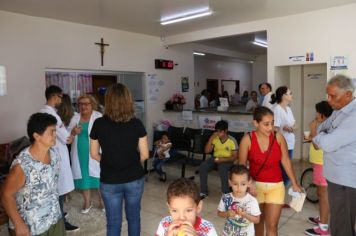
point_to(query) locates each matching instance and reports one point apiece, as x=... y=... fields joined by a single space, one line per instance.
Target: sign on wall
x=208 y=122
x=338 y=65
x=185 y=84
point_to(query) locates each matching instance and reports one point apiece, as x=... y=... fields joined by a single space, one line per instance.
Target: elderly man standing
x=337 y=138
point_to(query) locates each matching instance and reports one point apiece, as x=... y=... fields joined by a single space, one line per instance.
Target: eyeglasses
x=84 y=104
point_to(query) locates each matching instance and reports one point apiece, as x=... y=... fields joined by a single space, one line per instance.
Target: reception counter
x=239 y=120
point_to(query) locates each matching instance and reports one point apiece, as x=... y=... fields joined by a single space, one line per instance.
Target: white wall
x=327 y=32
x=28 y=45
x=222 y=70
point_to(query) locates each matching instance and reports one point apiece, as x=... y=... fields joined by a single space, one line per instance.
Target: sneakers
x=317 y=231
x=70 y=228
x=86 y=211
x=314 y=220
x=203 y=195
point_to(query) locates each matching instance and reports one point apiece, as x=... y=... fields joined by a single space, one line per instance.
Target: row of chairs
x=186 y=142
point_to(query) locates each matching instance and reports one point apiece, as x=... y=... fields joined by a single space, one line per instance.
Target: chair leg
x=183 y=170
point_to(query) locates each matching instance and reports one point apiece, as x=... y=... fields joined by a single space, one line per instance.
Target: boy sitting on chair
x=225 y=153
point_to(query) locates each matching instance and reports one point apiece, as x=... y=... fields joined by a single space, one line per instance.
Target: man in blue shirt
x=337 y=138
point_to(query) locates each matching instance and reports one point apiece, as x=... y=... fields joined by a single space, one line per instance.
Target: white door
x=307 y=82
x=314 y=82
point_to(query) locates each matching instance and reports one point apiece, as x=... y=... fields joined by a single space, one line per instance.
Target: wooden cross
x=102 y=50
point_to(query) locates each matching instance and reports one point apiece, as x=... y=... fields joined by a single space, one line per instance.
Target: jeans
x=286 y=179
x=223 y=170
x=61 y=203
x=114 y=195
x=157 y=164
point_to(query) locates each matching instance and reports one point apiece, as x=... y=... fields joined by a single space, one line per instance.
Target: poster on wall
x=154 y=86
x=3 y=90
x=185 y=84
x=240 y=125
x=187 y=115
x=339 y=65
x=208 y=122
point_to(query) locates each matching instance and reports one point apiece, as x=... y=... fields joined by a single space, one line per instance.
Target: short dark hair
x=164 y=133
x=183 y=188
x=52 y=90
x=38 y=123
x=268 y=85
x=260 y=112
x=239 y=170
x=204 y=92
x=324 y=108
x=221 y=125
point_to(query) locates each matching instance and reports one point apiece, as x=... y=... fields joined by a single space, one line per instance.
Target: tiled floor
x=154 y=208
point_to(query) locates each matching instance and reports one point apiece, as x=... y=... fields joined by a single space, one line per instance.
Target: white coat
x=65 y=179
x=266 y=101
x=94 y=166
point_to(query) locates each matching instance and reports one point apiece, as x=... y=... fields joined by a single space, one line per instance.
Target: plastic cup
x=306 y=134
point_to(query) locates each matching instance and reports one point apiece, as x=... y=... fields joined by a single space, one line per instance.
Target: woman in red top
x=265 y=149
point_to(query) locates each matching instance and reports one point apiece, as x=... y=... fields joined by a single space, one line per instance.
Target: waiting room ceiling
x=143 y=16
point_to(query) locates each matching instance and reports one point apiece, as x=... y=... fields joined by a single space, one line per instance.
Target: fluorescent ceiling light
x=199 y=53
x=261 y=44
x=186 y=17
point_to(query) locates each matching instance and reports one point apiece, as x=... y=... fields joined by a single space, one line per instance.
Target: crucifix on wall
x=102 y=49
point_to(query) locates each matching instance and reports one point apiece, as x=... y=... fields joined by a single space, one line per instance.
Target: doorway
x=307 y=82
x=212 y=85
x=100 y=84
x=229 y=86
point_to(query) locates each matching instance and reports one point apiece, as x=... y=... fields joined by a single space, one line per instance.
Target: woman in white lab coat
x=86 y=171
x=284 y=121
x=63 y=137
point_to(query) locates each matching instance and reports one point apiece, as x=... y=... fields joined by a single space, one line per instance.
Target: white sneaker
x=86 y=211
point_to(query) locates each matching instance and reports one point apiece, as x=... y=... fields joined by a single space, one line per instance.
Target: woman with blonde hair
x=123 y=142
x=86 y=171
